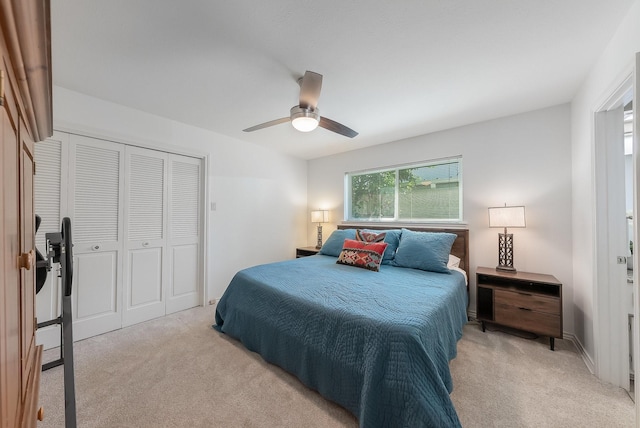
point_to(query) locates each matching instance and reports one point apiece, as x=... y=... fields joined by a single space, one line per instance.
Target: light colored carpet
x=177 y=371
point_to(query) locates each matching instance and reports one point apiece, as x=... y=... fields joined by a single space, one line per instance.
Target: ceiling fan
x=305 y=116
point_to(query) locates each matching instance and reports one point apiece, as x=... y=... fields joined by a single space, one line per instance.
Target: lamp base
x=319 y=243
x=506 y=269
x=505 y=252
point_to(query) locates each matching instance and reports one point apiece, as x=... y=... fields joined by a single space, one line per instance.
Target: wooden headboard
x=459 y=249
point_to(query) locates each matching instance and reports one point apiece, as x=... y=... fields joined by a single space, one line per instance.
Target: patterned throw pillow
x=364 y=236
x=362 y=254
x=390 y=236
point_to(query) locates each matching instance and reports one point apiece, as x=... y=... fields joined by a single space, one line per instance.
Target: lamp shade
x=321 y=216
x=506 y=216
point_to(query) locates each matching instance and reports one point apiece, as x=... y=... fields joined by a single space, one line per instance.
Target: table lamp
x=320 y=216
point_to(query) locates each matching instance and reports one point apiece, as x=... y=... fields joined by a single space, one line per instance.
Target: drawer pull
x=524 y=294
x=524 y=309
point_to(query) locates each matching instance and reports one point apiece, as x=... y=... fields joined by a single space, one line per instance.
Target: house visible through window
x=427 y=192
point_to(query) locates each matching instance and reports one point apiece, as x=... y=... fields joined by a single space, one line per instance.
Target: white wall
x=260 y=195
x=523 y=159
x=613 y=66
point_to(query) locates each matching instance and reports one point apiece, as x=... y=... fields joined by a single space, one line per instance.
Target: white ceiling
x=392 y=69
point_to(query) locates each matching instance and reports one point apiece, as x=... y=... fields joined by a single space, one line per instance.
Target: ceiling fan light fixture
x=304 y=119
x=304 y=124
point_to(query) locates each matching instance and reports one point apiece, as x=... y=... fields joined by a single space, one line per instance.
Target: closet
x=137 y=230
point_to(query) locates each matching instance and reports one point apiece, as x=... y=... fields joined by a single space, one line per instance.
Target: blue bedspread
x=377 y=343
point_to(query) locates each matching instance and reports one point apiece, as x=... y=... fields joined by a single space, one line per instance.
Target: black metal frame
x=60 y=250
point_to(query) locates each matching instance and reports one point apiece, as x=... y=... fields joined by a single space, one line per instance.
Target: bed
x=376 y=342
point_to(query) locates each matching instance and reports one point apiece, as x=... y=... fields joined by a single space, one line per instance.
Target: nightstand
x=306 y=251
x=526 y=301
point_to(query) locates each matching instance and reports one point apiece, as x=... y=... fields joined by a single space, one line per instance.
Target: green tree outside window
x=425 y=192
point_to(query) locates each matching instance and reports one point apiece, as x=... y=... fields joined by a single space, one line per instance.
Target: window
x=429 y=191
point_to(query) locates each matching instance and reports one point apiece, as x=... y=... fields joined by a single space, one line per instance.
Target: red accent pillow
x=362 y=254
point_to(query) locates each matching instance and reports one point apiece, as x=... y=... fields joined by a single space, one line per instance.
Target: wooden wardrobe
x=25 y=117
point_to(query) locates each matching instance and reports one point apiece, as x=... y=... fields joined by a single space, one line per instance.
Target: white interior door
x=613 y=301
x=145 y=231
x=50 y=202
x=96 y=183
x=612 y=354
x=185 y=194
x=620 y=304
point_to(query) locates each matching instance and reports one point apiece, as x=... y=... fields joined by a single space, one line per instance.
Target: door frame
x=636 y=232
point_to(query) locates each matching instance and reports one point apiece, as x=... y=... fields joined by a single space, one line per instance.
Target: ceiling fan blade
x=310 y=87
x=268 y=124
x=336 y=127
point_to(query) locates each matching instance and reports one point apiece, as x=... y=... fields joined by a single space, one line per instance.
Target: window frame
x=348 y=214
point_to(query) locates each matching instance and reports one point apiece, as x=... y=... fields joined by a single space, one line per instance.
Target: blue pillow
x=424 y=250
x=333 y=244
x=392 y=239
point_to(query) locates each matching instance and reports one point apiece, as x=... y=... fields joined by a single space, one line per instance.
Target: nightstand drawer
x=526 y=319
x=534 y=302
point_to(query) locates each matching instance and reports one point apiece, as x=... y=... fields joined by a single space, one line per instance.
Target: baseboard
x=588 y=361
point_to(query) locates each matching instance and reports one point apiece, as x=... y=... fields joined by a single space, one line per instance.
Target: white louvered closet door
x=145 y=231
x=185 y=230
x=96 y=186
x=50 y=201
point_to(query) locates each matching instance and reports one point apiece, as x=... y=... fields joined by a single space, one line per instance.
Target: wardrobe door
x=96 y=186
x=51 y=158
x=145 y=231
x=27 y=271
x=185 y=194
x=10 y=369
